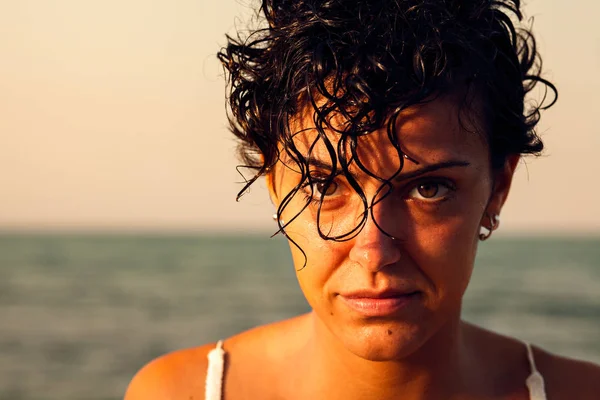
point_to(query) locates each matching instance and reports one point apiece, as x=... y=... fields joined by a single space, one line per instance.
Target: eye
x=324 y=188
x=429 y=191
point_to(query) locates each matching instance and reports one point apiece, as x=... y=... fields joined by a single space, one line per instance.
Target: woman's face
x=383 y=297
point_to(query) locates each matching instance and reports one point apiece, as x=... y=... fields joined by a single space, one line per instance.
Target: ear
x=270 y=181
x=501 y=186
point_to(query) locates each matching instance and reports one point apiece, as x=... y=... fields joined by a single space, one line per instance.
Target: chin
x=383 y=341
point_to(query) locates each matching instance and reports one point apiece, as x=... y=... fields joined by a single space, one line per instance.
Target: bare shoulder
x=251 y=357
x=263 y=362
x=564 y=378
x=177 y=375
x=567 y=378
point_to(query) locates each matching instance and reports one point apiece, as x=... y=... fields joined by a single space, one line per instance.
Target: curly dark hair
x=367 y=60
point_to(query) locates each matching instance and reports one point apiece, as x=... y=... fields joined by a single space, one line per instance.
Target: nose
x=372 y=248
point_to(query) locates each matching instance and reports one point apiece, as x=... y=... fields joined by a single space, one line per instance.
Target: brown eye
x=325 y=189
x=428 y=190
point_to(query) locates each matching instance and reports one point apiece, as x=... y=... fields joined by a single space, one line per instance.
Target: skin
x=420 y=351
x=436 y=237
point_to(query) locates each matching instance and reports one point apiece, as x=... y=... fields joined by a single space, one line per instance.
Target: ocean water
x=79 y=315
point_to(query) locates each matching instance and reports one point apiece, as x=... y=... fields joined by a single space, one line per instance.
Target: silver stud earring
x=281 y=222
x=487 y=232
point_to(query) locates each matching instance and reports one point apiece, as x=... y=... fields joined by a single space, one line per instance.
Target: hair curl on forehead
x=367 y=60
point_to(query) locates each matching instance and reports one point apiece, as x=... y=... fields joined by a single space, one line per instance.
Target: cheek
x=445 y=252
x=312 y=259
x=316 y=261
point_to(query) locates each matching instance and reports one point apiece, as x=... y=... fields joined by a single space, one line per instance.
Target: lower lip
x=379 y=307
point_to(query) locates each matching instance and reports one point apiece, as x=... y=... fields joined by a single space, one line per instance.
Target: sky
x=112 y=117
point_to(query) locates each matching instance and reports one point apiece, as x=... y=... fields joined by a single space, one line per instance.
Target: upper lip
x=378 y=294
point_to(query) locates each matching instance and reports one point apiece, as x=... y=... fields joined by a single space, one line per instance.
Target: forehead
x=429 y=133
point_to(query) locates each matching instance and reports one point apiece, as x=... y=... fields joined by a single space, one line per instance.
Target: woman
x=388 y=133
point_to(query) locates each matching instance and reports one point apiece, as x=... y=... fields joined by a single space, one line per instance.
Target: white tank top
x=216 y=361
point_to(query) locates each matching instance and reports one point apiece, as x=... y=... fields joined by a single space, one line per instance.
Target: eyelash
x=310 y=195
x=448 y=184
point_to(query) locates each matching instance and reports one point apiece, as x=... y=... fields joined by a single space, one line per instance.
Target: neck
x=435 y=370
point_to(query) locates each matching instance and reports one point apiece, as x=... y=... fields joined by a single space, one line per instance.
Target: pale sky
x=112 y=117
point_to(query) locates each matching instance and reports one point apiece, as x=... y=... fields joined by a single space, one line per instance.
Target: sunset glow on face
x=434 y=214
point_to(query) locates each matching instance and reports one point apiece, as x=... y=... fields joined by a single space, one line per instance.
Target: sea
x=81 y=313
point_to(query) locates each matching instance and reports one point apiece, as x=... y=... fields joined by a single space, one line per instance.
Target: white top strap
x=535 y=381
x=214 y=374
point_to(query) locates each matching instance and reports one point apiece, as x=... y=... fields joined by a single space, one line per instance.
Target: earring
x=281 y=222
x=487 y=232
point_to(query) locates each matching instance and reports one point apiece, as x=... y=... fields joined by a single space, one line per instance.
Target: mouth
x=379 y=304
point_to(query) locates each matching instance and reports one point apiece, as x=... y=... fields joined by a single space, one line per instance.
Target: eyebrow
x=402 y=176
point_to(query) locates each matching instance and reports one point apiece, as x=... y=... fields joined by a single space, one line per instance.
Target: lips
x=379 y=303
x=381 y=294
